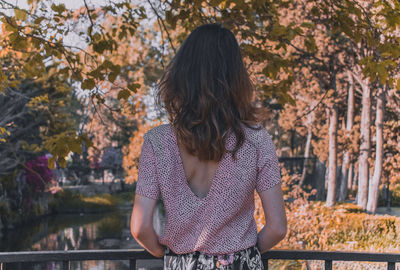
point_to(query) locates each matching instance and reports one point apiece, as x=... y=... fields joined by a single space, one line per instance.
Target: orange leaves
x=131 y=152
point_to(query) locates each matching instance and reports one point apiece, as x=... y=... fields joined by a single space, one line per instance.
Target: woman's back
x=221 y=220
x=209 y=97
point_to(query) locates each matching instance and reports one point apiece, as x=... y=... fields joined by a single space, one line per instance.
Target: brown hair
x=206 y=91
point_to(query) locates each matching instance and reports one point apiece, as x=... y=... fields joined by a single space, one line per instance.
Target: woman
x=206 y=163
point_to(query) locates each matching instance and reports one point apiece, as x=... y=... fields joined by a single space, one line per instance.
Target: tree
x=347 y=166
x=276 y=38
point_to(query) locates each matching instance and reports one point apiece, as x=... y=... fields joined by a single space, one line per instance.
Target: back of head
x=207 y=91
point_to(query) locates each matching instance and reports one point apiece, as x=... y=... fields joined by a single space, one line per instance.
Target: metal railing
x=132 y=255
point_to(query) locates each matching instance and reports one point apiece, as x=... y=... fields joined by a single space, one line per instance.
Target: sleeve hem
x=266 y=187
x=142 y=192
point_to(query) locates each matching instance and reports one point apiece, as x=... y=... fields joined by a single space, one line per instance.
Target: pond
x=110 y=230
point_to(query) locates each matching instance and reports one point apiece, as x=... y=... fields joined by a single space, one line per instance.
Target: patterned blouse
x=223 y=221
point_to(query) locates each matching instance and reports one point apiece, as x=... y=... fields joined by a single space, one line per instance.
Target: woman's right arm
x=275 y=226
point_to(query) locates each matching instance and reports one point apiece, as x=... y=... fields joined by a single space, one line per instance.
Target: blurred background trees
x=76 y=85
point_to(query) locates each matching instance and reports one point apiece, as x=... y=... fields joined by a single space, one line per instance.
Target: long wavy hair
x=206 y=91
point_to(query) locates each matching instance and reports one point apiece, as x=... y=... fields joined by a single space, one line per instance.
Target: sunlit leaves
x=3 y=134
x=20 y=14
x=60 y=8
x=64 y=143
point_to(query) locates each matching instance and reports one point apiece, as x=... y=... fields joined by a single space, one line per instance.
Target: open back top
x=223 y=221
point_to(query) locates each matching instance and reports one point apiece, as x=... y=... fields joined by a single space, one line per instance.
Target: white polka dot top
x=223 y=221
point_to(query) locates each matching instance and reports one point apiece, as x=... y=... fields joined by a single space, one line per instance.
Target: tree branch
x=162 y=22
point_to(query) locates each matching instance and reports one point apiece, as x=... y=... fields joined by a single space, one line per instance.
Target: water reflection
x=109 y=230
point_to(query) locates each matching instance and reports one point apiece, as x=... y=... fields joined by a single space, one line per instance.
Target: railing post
x=66 y=265
x=132 y=264
x=391 y=266
x=328 y=264
x=265 y=264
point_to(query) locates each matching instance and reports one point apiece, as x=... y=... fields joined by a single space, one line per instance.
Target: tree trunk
x=310 y=119
x=349 y=125
x=332 y=159
x=320 y=170
x=374 y=184
x=365 y=146
x=327 y=170
x=350 y=177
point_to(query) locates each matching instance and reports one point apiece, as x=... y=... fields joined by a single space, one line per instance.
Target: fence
x=139 y=254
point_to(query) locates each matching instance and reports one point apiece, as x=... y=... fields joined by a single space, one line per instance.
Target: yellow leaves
x=131 y=152
x=310 y=44
x=278 y=30
x=38 y=20
x=310 y=25
x=112 y=76
x=9 y=24
x=382 y=74
x=88 y=84
x=31 y=147
x=20 y=14
x=62 y=144
x=39 y=102
x=3 y=133
x=58 y=8
x=124 y=93
x=102 y=46
x=134 y=87
x=171 y=19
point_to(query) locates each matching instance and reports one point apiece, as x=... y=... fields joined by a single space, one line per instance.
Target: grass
x=68 y=202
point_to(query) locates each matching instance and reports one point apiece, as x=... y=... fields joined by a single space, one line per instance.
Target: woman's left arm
x=142 y=225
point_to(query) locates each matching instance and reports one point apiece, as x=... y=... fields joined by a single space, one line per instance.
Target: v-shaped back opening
x=183 y=170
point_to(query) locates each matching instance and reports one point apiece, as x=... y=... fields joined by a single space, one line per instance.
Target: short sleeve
x=268 y=173
x=147 y=183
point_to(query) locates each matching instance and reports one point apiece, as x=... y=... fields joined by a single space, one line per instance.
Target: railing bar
x=66 y=265
x=391 y=266
x=265 y=264
x=328 y=265
x=132 y=264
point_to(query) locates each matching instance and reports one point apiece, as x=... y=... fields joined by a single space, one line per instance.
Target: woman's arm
x=275 y=218
x=142 y=225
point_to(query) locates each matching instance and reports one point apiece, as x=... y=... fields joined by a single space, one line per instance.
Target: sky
x=70 y=4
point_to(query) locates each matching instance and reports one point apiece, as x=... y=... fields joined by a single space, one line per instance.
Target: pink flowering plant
x=37 y=173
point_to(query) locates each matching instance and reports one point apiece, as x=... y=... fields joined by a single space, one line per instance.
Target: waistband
x=169 y=252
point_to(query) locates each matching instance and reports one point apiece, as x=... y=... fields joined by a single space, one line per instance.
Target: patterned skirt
x=246 y=259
